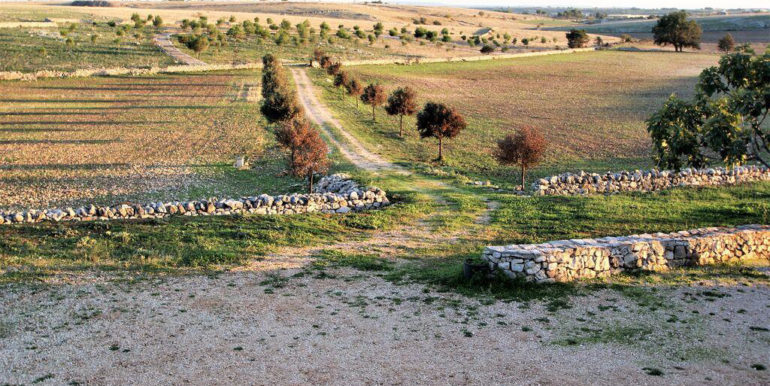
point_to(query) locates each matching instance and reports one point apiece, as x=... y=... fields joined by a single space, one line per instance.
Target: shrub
x=525 y=149
x=487 y=49
x=726 y=43
x=439 y=121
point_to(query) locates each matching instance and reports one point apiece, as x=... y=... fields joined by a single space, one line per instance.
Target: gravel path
x=348 y=328
x=163 y=41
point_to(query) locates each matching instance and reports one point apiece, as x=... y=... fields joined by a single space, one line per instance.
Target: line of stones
x=569 y=184
x=566 y=260
x=337 y=195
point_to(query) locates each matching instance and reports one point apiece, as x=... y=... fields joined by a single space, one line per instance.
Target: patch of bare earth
x=249 y=327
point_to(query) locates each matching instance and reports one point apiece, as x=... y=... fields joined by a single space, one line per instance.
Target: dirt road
x=164 y=42
x=350 y=147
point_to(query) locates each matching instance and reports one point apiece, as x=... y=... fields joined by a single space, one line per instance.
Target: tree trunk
x=356 y=101
x=310 y=186
x=440 y=150
x=401 y=126
x=523 y=174
x=374 y=117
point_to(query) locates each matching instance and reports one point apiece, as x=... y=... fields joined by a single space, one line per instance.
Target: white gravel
x=359 y=329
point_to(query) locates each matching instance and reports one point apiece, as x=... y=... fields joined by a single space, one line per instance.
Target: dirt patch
x=268 y=326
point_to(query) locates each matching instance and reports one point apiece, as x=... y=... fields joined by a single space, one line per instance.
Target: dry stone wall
x=335 y=194
x=567 y=260
x=571 y=184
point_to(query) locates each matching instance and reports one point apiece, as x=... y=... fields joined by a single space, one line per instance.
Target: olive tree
x=676 y=30
x=725 y=122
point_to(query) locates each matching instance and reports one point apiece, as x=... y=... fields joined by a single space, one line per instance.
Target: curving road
x=351 y=148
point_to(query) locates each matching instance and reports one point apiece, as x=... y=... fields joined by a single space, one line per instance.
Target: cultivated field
x=591 y=107
x=91 y=46
x=107 y=139
x=379 y=296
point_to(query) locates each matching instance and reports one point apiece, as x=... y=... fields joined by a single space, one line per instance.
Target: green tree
x=676 y=30
x=726 y=120
x=157 y=21
x=576 y=38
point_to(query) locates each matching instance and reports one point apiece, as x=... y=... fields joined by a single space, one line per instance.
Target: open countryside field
x=91 y=46
x=591 y=107
x=68 y=141
x=398 y=291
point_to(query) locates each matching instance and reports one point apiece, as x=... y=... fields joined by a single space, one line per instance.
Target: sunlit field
x=103 y=139
x=591 y=107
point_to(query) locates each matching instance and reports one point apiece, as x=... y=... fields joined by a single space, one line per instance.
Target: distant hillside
x=709 y=23
x=94 y=3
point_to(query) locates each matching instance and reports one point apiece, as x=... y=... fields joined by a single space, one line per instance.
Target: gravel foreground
x=347 y=327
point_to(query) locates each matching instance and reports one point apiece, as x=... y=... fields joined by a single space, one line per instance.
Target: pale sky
x=689 y=4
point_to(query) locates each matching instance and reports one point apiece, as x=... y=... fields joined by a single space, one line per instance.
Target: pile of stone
x=570 y=184
x=567 y=260
x=336 y=194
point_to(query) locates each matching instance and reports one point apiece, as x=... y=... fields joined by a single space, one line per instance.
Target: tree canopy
x=725 y=122
x=402 y=102
x=439 y=121
x=676 y=30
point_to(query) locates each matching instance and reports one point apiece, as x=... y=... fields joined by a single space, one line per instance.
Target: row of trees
x=307 y=152
x=435 y=120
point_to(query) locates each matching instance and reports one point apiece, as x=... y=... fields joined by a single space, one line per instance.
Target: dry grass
x=66 y=140
x=591 y=106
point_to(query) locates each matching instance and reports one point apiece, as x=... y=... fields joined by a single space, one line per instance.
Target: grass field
x=590 y=106
x=33 y=49
x=65 y=141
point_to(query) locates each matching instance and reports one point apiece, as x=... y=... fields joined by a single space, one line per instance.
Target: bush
x=577 y=38
x=487 y=49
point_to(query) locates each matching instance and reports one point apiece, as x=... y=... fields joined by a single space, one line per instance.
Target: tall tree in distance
x=439 y=121
x=676 y=30
x=525 y=148
x=373 y=95
x=402 y=102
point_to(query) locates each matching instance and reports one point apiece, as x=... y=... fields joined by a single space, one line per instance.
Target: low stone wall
x=567 y=260
x=335 y=194
x=571 y=184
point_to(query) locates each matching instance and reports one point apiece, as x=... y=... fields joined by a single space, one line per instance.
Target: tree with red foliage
x=306 y=148
x=402 y=102
x=354 y=89
x=525 y=148
x=439 y=121
x=374 y=95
